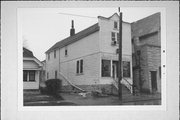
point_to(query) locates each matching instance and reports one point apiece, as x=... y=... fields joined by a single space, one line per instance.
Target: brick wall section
x=146 y=39
x=154 y=62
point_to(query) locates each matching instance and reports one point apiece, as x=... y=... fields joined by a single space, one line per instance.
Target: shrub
x=53 y=86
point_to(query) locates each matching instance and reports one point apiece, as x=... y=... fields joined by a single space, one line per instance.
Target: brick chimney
x=72 y=30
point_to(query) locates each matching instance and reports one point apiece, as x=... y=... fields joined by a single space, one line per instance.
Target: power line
x=78 y=15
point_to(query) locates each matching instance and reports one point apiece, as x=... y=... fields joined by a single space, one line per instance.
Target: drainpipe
x=140 y=80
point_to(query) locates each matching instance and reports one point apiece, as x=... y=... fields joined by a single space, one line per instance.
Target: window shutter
x=117 y=37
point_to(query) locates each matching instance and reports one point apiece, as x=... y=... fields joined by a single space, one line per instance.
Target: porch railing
x=125 y=82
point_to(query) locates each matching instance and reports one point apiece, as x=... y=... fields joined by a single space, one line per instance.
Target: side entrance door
x=154 y=81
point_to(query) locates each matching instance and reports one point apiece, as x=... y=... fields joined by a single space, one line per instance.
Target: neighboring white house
x=31 y=70
x=89 y=58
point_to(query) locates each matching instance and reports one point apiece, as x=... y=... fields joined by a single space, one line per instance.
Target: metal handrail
x=128 y=82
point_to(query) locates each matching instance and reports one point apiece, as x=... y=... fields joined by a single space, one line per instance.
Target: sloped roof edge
x=74 y=38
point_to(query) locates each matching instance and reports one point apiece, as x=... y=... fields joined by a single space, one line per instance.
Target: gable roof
x=75 y=37
x=146 y=25
x=27 y=53
x=108 y=18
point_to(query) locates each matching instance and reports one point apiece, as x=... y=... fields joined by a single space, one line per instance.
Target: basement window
x=106 y=68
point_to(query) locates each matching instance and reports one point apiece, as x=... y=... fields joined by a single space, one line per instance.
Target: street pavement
x=74 y=99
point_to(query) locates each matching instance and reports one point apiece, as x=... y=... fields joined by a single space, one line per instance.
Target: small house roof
x=27 y=53
x=75 y=37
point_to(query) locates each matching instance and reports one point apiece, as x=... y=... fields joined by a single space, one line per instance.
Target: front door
x=115 y=69
x=154 y=81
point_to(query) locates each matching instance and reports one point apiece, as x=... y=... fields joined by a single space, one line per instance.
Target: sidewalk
x=36 y=99
x=113 y=100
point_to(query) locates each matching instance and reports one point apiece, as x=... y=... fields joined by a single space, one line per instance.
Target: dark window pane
x=25 y=75
x=54 y=53
x=160 y=71
x=126 y=69
x=55 y=74
x=32 y=75
x=115 y=24
x=81 y=66
x=106 y=68
x=66 y=51
x=77 y=67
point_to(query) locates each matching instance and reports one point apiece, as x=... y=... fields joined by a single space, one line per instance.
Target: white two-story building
x=89 y=58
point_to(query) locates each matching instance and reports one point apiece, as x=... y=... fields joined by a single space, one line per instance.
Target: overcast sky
x=43 y=27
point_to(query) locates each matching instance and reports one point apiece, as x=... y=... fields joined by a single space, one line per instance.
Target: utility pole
x=120 y=57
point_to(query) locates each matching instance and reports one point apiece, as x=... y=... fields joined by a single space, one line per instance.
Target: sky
x=42 y=27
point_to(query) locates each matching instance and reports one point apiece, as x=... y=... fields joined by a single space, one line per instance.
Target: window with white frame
x=29 y=75
x=79 y=66
x=113 y=36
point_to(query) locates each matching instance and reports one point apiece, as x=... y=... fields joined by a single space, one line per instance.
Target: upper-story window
x=66 y=51
x=48 y=56
x=54 y=53
x=115 y=25
x=113 y=36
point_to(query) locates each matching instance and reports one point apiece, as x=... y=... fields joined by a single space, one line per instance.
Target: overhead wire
x=77 y=15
